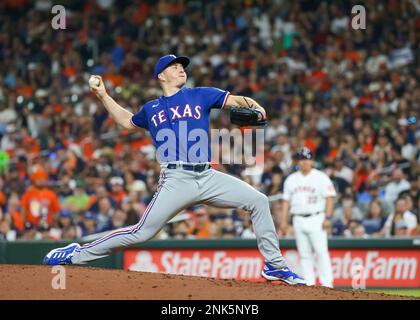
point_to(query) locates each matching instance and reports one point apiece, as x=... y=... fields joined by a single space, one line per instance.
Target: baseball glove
x=245 y=117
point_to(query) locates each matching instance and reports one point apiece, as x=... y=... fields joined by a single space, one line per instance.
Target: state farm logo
x=214 y=264
x=376 y=267
x=144 y=262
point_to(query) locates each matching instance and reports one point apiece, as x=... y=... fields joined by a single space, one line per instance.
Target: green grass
x=400 y=292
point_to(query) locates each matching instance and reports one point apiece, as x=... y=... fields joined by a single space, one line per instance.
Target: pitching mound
x=36 y=282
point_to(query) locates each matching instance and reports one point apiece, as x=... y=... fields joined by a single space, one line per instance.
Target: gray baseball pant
x=179 y=189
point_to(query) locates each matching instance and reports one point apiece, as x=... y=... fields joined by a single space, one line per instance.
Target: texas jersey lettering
x=179 y=124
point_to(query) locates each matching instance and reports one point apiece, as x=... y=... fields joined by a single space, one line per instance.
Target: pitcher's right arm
x=120 y=115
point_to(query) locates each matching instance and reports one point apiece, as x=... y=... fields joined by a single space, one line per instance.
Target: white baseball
x=93 y=81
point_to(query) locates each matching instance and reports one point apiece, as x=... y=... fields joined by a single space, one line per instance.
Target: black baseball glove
x=246 y=117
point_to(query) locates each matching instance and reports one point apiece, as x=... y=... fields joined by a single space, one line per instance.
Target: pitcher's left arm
x=245 y=102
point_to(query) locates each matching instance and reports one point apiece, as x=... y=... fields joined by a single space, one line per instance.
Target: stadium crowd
x=350 y=95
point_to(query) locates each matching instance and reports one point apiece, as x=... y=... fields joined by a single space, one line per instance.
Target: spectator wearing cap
x=88 y=224
x=401 y=222
x=137 y=186
x=40 y=205
x=78 y=202
x=117 y=189
x=65 y=222
x=68 y=229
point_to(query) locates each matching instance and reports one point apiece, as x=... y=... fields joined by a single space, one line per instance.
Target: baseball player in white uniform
x=308 y=193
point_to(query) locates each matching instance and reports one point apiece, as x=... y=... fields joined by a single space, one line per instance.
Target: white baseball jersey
x=306 y=194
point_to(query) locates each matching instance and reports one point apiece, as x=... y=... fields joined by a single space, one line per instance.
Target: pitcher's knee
x=143 y=235
x=260 y=199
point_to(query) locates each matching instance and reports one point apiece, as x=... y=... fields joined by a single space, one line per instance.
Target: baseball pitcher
x=308 y=193
x=181 y=116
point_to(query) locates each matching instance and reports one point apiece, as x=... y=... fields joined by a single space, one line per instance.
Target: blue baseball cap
x=169 y=59
x=65 y=213
x=89 y=215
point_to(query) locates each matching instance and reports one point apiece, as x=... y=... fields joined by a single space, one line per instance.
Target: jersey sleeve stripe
x=224 y=101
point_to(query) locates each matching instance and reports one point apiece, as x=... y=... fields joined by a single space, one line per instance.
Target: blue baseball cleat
x=61 y=256
x=286 y=275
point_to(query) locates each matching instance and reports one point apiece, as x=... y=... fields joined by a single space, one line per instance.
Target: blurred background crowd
x=351 y=96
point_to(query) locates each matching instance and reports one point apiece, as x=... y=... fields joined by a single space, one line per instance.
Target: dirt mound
x=36 y=282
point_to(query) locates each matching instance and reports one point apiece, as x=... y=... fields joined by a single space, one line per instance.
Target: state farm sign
x=223 y=264
x=382 y=268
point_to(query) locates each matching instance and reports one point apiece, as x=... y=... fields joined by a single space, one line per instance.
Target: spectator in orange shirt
x=40 y=204
x=201 y=229
x=117 y=189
